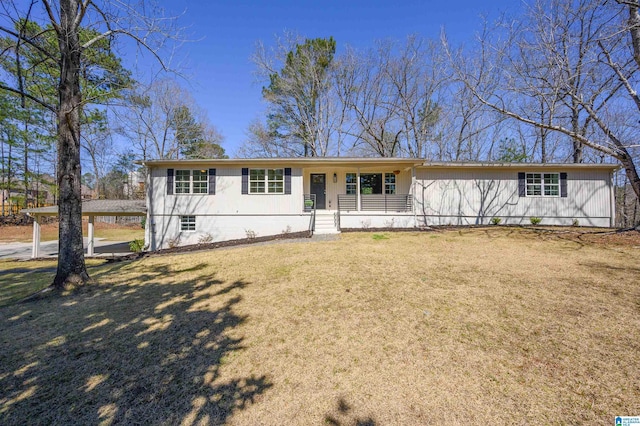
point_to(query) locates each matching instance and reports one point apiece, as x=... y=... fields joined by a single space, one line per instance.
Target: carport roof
x=98 y=208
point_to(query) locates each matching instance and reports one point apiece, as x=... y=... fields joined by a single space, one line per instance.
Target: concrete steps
x=326 y=222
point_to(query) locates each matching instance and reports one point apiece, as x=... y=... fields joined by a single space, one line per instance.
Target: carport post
x=90 y=236
x=35 y=243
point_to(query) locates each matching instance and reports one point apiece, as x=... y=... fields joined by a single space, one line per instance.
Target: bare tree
x=161 y=117
x=371 y=102
x=392 y=97
x=261 y=143
x=417 y=79
x=66 y=18
x=578 y=54
x=300 y=112
x=97 y=143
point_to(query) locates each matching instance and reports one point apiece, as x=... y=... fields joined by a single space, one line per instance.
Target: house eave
x=522 y=166
x=365 y=162
x=299 y=162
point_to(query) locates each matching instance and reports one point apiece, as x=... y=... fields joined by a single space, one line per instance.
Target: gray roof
x=366 y=162
x=99 y=208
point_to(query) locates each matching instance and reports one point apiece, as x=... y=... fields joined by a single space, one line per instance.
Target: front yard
x=470 y=326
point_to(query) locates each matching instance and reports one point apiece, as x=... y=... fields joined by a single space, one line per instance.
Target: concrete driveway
x=50 y=249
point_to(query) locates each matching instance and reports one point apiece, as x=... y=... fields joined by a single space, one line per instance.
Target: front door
x=319 y=188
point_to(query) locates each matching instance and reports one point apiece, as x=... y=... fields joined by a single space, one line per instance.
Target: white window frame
x=541 y=184
x=390 y=187
x=353 y=186
x=202 y=185
x=188 y=223
x=270 y=183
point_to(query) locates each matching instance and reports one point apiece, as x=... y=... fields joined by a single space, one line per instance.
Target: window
x=543 y=184
x=371 y=183
x=269 y=181
x=389 y=183
x=192 y=182
x=352 y=183
x=187 y=223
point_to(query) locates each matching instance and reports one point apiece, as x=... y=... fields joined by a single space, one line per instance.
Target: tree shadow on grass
x=129 y=353
x=344 y=416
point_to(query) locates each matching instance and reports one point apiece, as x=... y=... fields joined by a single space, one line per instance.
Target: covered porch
x=362 y=185
x=91 y=209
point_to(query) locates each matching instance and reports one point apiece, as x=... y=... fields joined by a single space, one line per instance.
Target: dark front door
x=319 y=188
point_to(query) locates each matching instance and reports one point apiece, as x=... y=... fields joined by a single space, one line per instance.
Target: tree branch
x=26 y=95
x=28 y=41
x=586 y=141
x=623 y=79
x=52 y=17
x=129 y=34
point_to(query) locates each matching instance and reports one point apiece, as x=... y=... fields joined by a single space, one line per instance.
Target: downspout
x=150 y=225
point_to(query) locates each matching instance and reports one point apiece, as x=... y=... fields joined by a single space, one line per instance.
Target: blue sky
x=219 y=71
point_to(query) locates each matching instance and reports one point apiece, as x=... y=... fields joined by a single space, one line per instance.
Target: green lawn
x=485 y=326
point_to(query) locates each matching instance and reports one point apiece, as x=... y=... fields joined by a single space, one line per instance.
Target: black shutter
x=169 y=181
x=245 y=180
x=563 y=185
x=522 y=185
x=287 y=180
x=212 y=181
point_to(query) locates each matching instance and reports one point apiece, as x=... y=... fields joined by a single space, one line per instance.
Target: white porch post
x=90 y=236
x=412 y=191
x=35 y=244
x=358 y=196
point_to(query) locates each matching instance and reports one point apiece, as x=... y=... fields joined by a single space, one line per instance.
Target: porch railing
x=309 y=206
x=309 y=202
x=376 y=202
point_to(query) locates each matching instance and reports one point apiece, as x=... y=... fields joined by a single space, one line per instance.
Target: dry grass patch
x=462 y=327
x=19 y=278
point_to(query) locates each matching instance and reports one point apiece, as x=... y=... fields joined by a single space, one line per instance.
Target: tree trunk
x=97 y=176
x=575 y=126
x=9 y=174
x=2 y=193
x=632 y=173
x=71 y=267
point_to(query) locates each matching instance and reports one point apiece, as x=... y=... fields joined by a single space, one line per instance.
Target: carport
x=91 y=208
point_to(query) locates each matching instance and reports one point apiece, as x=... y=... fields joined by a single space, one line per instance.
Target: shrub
x=535 y=220
x=136 y=245
x=495 y=221
x=205 y=238
x=575 y=222
x=174 y=242
x=286 y=230
x=251 y=234
x=143 y=222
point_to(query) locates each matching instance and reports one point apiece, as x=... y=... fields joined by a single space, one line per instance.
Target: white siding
x=474 y=196
x=224 y=228
x=376 y=220
x=228 y=198
x=442 y=196
x=228 y=214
